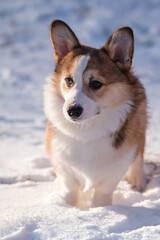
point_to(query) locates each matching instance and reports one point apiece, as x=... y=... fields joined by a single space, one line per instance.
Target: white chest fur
x=93 y=161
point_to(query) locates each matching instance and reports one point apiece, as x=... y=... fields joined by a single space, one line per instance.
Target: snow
x=30 y=208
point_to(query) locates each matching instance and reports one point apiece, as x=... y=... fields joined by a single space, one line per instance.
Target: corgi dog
x=96 y=117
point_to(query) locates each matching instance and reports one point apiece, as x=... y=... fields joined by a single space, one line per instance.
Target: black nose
x=75 y=111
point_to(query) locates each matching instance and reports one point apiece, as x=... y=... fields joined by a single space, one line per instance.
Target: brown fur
x=49 y=136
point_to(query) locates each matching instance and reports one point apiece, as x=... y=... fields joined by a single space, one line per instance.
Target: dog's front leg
x=69 y=188
x=135 y=174
x=101 y=196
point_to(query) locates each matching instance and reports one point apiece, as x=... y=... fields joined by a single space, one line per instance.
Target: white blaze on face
x=76 y=96
x=79 y=67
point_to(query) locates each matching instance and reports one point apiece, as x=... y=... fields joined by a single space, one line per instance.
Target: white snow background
x=30 y=208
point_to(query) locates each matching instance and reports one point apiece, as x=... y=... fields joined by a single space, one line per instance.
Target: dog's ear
x=120 y=47
x=63 y=39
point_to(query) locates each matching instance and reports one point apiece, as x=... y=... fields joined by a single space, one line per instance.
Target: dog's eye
x=95 y=85
x=69 y=82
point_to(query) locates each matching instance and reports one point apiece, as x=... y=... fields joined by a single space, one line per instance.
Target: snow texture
x=30 y=208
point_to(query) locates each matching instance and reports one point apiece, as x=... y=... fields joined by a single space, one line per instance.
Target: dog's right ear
x=63 y=39
x=120 y=47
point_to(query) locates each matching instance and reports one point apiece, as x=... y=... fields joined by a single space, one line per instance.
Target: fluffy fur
x=92 y=150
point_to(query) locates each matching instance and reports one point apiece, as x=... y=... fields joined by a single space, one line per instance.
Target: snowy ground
x=30 y=208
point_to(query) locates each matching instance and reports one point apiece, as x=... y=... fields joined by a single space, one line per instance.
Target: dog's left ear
x=120 y=47
x=63 y=39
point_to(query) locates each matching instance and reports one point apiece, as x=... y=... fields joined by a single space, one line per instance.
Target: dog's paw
x=70 y=198
x=139 y=181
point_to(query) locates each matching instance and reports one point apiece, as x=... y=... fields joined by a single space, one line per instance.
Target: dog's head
x=90 y=82
x=90 y=79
